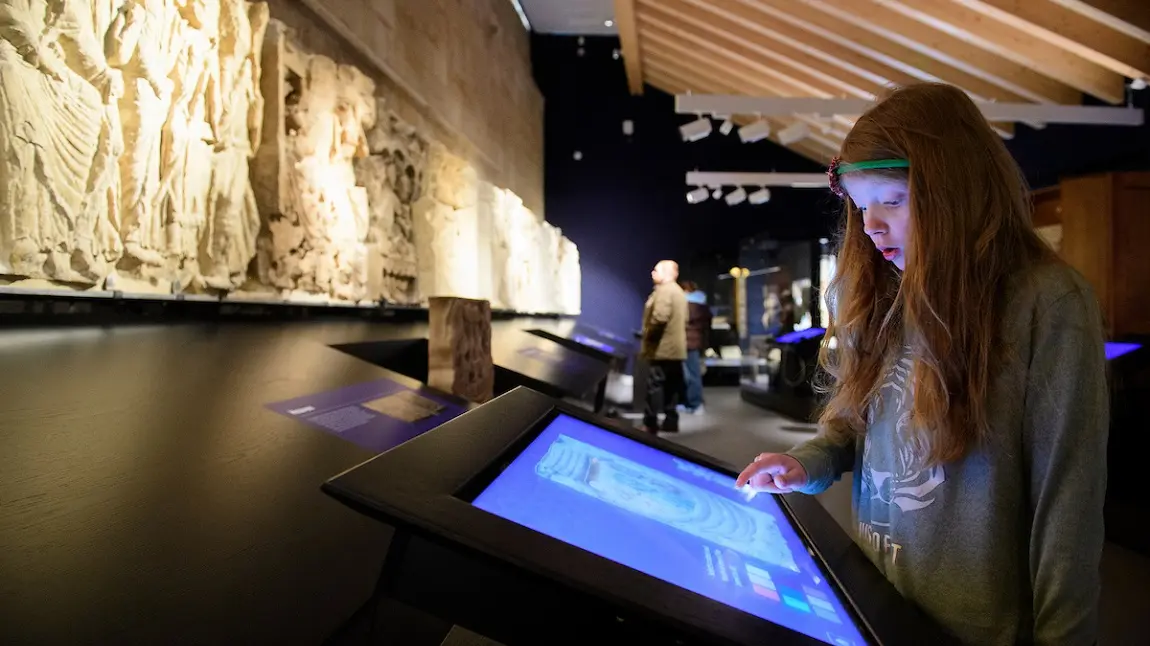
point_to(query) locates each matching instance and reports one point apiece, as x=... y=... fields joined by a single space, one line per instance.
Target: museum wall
x=459 y=70
x=623 y=203
x=207 y=147
x=1060 y=151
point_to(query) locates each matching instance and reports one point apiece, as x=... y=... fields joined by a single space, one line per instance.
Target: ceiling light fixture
x=794 y=133
x=779 y=106
x=696 y=130
x=756 y=131
x=792 y=180
x=761 y=196
x=737 y=196
x=608 y=23
x=698 y=195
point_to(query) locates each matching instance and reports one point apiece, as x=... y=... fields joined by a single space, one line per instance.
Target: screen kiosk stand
x=544 y=365
x=528 y=521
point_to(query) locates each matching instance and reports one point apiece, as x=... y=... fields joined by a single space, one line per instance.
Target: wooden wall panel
x=1086 y=233
x=1132 y=253
x=1047 y=207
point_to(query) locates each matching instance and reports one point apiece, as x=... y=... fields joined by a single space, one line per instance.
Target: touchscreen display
x=671 y=519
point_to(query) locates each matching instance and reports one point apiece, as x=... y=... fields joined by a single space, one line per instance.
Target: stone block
x=459 y=348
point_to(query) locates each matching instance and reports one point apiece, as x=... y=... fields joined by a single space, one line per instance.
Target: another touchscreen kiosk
x=672 y=519
x=527 y=521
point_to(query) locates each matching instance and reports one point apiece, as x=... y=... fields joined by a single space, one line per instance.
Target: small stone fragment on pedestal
x=459 y=348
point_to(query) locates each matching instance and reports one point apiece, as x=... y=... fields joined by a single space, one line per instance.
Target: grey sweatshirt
x=1002 y=547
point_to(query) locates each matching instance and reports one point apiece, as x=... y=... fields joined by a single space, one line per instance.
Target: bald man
x=664 y=347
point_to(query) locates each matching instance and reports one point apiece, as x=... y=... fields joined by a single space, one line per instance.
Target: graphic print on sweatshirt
x=894 y=481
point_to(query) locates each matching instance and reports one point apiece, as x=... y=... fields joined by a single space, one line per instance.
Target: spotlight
x=698 y=195
x=608 y=23
x=1138 y=84
x=727 y=126
x=794 y=133
x=696 y=130
x=737 y=196
x=716 y=192
x=761 y=196
x=756 y=131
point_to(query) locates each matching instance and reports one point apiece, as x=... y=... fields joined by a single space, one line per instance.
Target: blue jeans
x=693 y=373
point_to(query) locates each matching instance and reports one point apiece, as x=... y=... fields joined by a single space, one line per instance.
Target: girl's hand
x=773 y=473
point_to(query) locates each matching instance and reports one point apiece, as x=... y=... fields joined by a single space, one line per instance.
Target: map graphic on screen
x=671 y=519
x=670 y=501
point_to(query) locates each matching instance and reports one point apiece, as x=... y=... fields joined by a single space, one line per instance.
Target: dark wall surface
x=1059 y=151
x=624 y=203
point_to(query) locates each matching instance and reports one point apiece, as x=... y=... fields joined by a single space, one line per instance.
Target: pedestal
x=459 y=348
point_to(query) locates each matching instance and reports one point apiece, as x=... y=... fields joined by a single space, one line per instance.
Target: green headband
x=843 y=169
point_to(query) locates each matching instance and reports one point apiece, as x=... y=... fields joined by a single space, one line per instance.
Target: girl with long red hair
x=967 y=391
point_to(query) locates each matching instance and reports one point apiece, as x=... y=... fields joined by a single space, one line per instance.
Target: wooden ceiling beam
x=656 y=14
x=687 y=62
x=1131 y=17
x=667 y=82
x=629 y=42
x=750 y=68
x=746 y=81
x=670 y=39
x=939 y=54
x=1066 y=29
x=757 y=15
x=1012 y=44
x=762 y=41
x=748 y=26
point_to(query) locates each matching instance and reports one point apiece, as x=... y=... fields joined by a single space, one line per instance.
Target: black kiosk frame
x=512 y=584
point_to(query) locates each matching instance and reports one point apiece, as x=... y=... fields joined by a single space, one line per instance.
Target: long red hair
x=971 y=230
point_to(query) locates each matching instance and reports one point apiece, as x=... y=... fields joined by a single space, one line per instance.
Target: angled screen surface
x=671 y=519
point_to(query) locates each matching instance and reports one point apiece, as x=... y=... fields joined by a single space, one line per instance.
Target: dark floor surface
x=147 y=495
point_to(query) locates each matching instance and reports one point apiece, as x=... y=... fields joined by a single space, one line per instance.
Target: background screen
x=671 y=519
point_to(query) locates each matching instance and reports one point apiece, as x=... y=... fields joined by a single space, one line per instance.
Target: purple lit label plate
x=588 y=341
x=376 y=415
x=801 y=335
x=1115 y=350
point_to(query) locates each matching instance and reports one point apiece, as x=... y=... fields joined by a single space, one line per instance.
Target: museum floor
x=148 y=495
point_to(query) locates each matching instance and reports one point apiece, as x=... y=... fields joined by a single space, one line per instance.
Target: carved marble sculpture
x=316 y=243
x=459 y=348
x=118 y=138
x=161 y=145
x=447 y=227
x=570 y=281
x=56 y=142
x=228 y=244
x=393 y=175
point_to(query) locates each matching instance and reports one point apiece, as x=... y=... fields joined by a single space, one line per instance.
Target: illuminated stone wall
x=192 y=146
